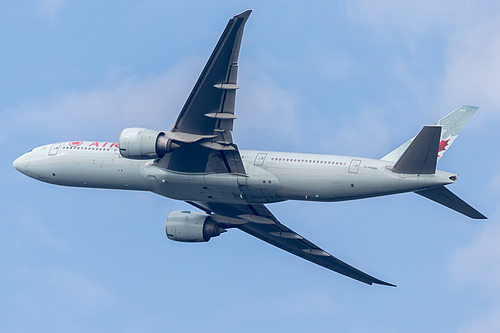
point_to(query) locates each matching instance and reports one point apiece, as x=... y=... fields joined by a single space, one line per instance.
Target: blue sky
x=335 y=78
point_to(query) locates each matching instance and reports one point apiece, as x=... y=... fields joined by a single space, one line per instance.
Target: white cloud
x=367 y=134
x=37 y=230
x=78 y=287
x=487 y=322
x=67 y=115
x=269 y=112
x=476 y=267
x=473 y=70
x=478 y=263
x=471 y=42
x=329 y=64
x=263 y=107
x=73 y=289
x=297 y=304
x=495 y=183
x=49 y=9
x=412 y=17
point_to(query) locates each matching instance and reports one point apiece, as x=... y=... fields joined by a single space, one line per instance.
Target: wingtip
x=476 y=215
x=386 y=284
x=374 y=280
x=244 y=14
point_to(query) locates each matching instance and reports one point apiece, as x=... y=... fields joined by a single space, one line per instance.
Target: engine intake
x=185 y=226
x=142 y=143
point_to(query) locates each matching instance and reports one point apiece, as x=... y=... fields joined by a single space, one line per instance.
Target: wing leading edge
x=204 y=125
x=210 y=104
x=258 y=221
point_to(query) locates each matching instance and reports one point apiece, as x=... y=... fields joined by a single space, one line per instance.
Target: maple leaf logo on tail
x=442 y=146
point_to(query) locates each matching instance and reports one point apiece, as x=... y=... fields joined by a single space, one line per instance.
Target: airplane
x=198 y=162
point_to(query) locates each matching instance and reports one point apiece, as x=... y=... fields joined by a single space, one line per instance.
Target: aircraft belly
x=369 y=183
x=365 y=183
x=194 y=187
x=295 y=183
x=256 y=187
x=371 y=178
x=260 y=186
x=223 y=188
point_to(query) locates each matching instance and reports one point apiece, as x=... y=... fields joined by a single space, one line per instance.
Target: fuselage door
x=354 y=166
x=259 y=159
x=54 y=149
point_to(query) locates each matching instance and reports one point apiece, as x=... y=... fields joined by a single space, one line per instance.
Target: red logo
x=442 y=145
x=75 y=143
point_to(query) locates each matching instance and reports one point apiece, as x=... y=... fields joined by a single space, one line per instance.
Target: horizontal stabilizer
x=446 y=198
x=421 y=156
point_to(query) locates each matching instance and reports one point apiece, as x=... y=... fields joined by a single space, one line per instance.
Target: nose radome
x=20 y=164
x=17 y=164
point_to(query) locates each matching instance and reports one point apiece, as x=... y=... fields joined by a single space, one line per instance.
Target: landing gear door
x=54 y=149
x=354 y=166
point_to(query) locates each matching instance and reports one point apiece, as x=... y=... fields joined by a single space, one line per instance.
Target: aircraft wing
x=203 y=127
x=258 y=221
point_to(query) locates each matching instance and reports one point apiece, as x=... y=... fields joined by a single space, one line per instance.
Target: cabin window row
x=306 y=161
x=88 y=148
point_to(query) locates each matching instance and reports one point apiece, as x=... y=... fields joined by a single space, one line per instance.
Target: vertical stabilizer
x=452 y=125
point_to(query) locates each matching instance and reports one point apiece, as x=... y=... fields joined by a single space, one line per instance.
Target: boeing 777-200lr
x=198 y=162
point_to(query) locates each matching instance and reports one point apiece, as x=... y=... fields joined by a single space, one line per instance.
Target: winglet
x=421 y=156
x=244 y=14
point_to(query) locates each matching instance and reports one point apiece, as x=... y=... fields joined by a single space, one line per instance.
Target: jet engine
x=185 y=226
x=143 y=143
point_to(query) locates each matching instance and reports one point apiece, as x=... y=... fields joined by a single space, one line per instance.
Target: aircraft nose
x=20 y=164
x=17 y=164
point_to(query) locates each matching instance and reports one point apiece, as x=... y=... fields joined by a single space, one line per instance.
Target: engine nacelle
x=143 y=143
x=185 y=226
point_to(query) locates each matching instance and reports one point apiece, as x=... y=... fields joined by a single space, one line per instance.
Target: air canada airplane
x=198 y=162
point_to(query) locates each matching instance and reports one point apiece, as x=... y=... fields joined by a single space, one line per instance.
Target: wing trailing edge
x=249 y=218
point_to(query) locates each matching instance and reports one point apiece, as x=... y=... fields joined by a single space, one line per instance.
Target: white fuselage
x=271 y=176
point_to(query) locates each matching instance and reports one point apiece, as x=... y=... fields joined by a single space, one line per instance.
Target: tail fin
x=452 y=125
